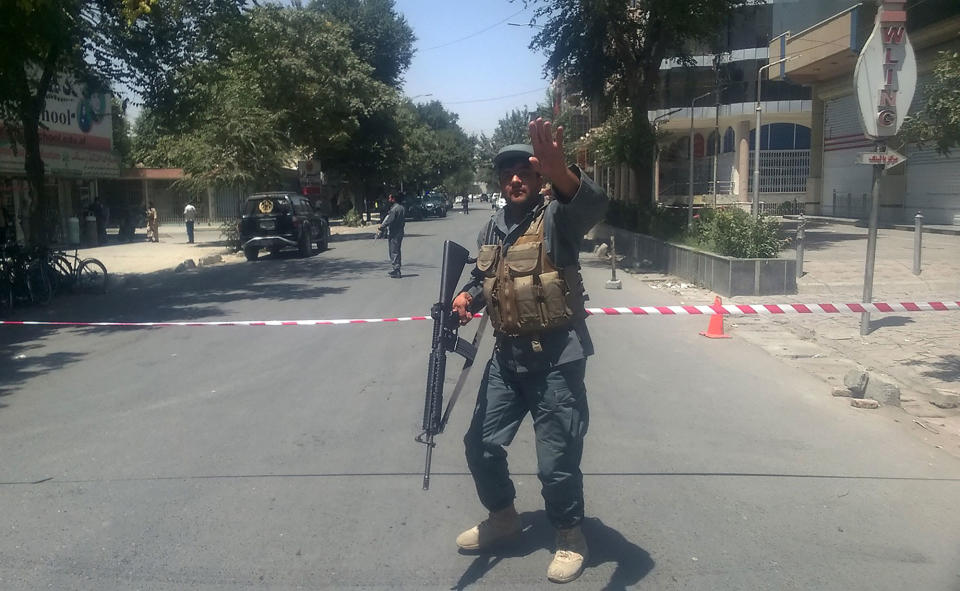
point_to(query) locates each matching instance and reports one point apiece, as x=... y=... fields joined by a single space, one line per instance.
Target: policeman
x=527 y=276
x=393 y=224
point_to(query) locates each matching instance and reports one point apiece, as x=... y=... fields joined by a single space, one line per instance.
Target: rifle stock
x=445 y=339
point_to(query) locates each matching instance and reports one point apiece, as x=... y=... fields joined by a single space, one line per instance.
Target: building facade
x=76 y=142
x=822 y=40
x=713 y=105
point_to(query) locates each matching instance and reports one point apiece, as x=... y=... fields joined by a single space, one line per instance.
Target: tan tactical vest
x=525 y=293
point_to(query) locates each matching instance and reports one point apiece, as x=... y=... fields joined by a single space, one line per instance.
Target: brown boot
x=570 y=557
x=498 y=527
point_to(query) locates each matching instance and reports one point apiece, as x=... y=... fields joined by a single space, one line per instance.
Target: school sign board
x=886 y=73
x=76 y=135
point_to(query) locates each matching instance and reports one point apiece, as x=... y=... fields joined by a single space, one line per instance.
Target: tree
x=938 y=122
x=287 y=86
x=616 y=47
x=379 y=35
x=512 y=128
x=91 y=43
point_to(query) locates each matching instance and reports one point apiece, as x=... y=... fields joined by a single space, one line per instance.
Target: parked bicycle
x=24 y=277
x=73 y=274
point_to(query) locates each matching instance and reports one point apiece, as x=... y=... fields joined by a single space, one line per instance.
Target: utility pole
x=755 y=206
x=693 y=105
x=716 y=125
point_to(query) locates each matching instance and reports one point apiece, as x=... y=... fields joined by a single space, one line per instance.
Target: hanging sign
x=886 y=73
x=888 y=159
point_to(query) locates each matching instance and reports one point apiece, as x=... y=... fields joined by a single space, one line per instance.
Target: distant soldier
x=527 y=277
x=392 y=225
x=466 y=205
x=153 y=223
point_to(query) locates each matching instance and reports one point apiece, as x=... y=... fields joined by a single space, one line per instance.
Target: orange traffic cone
x=715 y=328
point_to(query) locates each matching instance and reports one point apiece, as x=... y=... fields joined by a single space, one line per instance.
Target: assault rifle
x=446 y=323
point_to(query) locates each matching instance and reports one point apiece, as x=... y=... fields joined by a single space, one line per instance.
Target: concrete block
x=885 y=392
x=839 y=391
x=945 y=399
x=772 y=278
x=613 y=284
x=211 y=259
x=742 y=277
x=187 y=264
x=864 y=403
x=856 y=381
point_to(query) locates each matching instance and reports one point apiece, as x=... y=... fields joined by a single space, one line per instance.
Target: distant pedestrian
x=99 y=212
x=153 y=223
x=189 y=215
x=392 y=225
x=466 y=206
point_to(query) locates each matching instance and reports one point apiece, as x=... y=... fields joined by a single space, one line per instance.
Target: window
x=729 y=141
x=782 y=136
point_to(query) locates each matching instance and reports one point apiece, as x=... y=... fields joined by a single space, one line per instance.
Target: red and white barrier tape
x=725 y=309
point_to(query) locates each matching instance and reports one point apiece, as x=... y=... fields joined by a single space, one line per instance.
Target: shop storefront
x=76 y=142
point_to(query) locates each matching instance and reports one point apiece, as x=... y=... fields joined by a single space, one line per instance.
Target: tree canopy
x=613 y=49
x=378 y=34
x=938 y=121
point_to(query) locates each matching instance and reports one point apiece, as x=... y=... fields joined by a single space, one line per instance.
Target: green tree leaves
x=939 y=120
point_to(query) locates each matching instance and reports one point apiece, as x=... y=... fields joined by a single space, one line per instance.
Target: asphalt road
x=283 y=458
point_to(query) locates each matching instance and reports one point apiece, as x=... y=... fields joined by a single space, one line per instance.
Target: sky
x=463 y=74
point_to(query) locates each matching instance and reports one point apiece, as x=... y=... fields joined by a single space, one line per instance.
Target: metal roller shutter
x=842 y=140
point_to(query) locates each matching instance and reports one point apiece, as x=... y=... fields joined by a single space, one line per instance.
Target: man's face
x=519 y=183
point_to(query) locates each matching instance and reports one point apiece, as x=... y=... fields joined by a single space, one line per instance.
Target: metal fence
x=848 y=205
x=782 y=171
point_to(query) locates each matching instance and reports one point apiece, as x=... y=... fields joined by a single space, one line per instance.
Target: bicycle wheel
x=63 y=276
x=38 y=283
x=92 y=276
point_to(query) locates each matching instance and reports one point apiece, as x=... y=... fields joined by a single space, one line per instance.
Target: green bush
x=733 y=232
x=729 y=232
x=353 y=218
x=230 y=234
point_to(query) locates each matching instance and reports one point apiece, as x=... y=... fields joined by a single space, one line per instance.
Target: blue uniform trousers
x=556 y=399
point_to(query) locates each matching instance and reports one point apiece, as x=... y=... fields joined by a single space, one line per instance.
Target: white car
x=501 y=202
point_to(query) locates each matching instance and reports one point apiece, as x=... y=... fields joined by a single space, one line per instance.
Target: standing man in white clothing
x=189 y=214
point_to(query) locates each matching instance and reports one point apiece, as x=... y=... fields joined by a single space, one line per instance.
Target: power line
x=496 y=98
x=471 y=35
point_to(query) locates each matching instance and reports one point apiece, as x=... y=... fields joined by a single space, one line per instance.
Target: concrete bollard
x=917 y=241
x=614 y=283
x=801 y=231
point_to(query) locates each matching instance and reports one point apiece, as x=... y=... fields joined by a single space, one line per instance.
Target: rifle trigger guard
x=420 y=439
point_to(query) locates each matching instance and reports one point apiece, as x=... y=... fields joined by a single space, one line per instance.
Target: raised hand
x=549 y=159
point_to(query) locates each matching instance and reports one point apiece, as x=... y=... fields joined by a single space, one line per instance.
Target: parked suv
x=435 y=204
x=278 y=220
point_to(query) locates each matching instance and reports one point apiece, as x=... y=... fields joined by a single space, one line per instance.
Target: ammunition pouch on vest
x=524 y=292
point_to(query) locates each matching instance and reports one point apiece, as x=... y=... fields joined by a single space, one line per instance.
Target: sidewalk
x=141 y=256
x=920 y=352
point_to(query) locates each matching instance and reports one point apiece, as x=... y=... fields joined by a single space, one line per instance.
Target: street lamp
x=755 y=206
x=526 y=25
x=656 y=152
x=693 y=105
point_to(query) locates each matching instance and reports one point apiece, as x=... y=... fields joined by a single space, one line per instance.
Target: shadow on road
x=606 y=544
x=18 y=365
x=947 y=369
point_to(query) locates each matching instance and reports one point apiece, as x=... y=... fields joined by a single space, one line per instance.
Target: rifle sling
x=462 y=379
